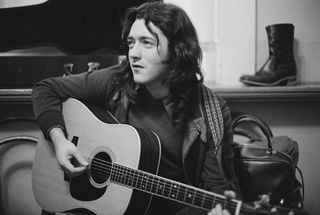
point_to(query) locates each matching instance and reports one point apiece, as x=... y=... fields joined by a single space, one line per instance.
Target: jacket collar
x=196 y=127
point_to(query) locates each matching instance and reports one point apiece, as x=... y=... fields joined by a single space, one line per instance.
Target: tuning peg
x=93 y=66
x=281 y=201
x=264 y=199
x=274 y=210
x=257 y=205
x=68 y=67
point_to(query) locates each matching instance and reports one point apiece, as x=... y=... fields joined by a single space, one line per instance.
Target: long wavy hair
x=184 y=61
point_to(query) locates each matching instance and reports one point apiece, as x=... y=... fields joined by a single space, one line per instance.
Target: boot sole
x=287 y=81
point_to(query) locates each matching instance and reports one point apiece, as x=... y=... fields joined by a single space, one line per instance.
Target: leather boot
x=280 y=68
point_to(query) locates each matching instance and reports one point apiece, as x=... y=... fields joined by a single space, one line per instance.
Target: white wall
x=227 y=34
x=204 y=16
x=234 y=41
x=305 y=16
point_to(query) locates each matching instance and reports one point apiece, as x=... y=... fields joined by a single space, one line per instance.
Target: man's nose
x=135 y=51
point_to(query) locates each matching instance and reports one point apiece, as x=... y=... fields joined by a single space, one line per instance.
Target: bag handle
x=257 y=121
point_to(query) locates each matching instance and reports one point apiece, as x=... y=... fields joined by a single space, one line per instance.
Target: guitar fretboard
x=169 y=189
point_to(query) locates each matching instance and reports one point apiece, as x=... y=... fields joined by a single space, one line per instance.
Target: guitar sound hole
x=100 y=167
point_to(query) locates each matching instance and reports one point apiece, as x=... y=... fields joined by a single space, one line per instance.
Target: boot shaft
x=281 y=40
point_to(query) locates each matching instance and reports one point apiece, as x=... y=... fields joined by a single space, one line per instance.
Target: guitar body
x=103 y=144
x=122 y=173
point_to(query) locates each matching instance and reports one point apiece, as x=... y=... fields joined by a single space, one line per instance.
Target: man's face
x=147 y=56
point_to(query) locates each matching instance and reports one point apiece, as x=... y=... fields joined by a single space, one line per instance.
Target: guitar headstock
x=260 y=207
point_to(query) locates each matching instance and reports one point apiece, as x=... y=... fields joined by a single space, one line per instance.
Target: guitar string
x=130 y=177
x=205 y=201
x=100 y=165
x=149 y=187
x=118 y=172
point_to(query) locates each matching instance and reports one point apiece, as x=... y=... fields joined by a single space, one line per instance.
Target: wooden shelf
x=237 y=94
x=286 y=93
x=15 y=96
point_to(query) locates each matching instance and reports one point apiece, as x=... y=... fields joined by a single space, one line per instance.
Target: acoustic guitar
x=122 y=174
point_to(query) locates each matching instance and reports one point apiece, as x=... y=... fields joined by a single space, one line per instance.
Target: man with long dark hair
x=159 y=87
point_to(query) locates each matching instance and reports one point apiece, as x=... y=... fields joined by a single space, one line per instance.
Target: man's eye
x=148 y=44
x=130 y=44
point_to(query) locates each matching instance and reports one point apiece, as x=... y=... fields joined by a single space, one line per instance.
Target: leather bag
x=266 y=165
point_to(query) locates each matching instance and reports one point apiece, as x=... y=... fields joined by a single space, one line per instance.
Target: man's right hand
x=65 y=151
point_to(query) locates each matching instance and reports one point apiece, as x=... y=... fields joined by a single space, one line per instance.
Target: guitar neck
x=170 y=189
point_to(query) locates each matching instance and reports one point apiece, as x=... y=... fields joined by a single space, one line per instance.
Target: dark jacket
x=200 y=152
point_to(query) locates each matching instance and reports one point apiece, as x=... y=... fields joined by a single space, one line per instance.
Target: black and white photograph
x=159 y=107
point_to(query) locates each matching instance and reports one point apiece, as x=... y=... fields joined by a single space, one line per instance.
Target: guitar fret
x=139 y=180
x=130 y=178
x=119 y=174
x=149 y=182
x=144 y=181
x=135 y=178
x=225 y=202
x=161 y=187
x=181 y=195
x=167 y=186
x=189 y=198
x=124 y=176
x=127 y=176
x=114 y=173
x=174 y=191
x=155 y=185
x=203 y=199
x=122 y=179
x=198 y=198
x=209 y=201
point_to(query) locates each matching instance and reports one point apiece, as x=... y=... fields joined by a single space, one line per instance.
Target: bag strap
x=214 y=115
x=244 y=117
x=302 y=183
x=257 y=121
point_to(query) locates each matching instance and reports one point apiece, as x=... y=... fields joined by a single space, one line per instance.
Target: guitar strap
x=215 y=120
x=214 y=115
